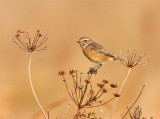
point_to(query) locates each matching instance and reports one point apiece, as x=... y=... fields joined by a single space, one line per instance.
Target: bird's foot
x=93 y=70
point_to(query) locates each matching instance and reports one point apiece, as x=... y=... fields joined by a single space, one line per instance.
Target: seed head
x=61 y=73
x=23 y=41
x=87 y=81
x=132 y=59
x=116 y=95
x=113 y=85
x=105 y=81
x=100 y=85
x=71 y=72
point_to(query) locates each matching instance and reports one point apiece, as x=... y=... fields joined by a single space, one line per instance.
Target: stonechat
x=95 y=52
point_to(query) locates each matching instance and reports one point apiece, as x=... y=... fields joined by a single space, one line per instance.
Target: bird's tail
x=117 y=58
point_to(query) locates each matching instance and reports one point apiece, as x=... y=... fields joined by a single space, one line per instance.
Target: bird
x=95 y=52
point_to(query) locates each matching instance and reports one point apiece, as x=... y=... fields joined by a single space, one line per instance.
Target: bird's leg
x=95 y=66
x=99 y=66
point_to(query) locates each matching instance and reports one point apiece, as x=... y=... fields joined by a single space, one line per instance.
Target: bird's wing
x=105 y=53
x=94 y=47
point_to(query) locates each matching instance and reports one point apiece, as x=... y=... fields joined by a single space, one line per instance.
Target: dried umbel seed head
x=113 y=85
x=23 y=41
x=17 y=35
x=61 y=73
x=104 y=90
x=116 y=95
x=71 y=72
x=131 y=60
x=100 y=85
x=105 y=81
x=20 y=31
x=87 y=81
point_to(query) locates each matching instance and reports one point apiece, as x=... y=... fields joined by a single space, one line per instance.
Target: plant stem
x=134 y=101
x=30 y=81
x=120 y=90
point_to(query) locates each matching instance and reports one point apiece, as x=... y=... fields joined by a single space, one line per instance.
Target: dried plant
x=134 y=102
x=136 y=114
x=24 y=42
x=87 y=115
x=130 y=60
x=82 y=93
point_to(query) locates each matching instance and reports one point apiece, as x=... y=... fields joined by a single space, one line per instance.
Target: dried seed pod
x=105 y=81
x=116 y=95
x=87 y=81
x=113 y=85
x=100 y=85
x=61 y=73
x=71 y=72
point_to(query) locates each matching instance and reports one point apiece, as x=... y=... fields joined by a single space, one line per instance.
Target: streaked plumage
x=95 y=52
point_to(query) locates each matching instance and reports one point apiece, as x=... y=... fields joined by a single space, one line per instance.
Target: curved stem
x=134 y=101
x=30 y=81
x=120 y=90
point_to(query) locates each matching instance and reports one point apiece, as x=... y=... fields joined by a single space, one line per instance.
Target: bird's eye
x=85 y=40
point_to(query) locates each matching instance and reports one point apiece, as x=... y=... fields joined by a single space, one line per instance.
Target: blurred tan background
x=117 y=25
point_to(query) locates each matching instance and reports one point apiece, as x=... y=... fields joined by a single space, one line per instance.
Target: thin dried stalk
x=30 y=81
x=124 y=81
x=134 y=101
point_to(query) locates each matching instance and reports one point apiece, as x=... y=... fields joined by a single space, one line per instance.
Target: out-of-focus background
x=117 y=25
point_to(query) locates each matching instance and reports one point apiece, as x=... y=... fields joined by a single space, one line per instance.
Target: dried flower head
x=136 y=114
x=100 y=85
x=132 y=59
x=71 y=72
x=61 y=73
x=104 y=90
x=105 y=81
x=113 y=85
x=87 y=81
x=83 y=93
x=116 y=95
x=23 y=41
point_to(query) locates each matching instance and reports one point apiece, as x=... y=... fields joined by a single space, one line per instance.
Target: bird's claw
x=93 y=71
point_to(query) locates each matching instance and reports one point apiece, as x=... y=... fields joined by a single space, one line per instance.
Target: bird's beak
x=78 y=41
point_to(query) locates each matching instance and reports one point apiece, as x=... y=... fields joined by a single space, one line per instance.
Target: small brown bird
x=95 y=52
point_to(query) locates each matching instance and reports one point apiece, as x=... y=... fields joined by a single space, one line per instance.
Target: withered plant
x=130 y=107
x=136 y=114
x=24 y=42
x=82 y=93
x=130 y=60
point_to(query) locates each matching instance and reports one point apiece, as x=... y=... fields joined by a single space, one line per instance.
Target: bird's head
x=84 y=41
